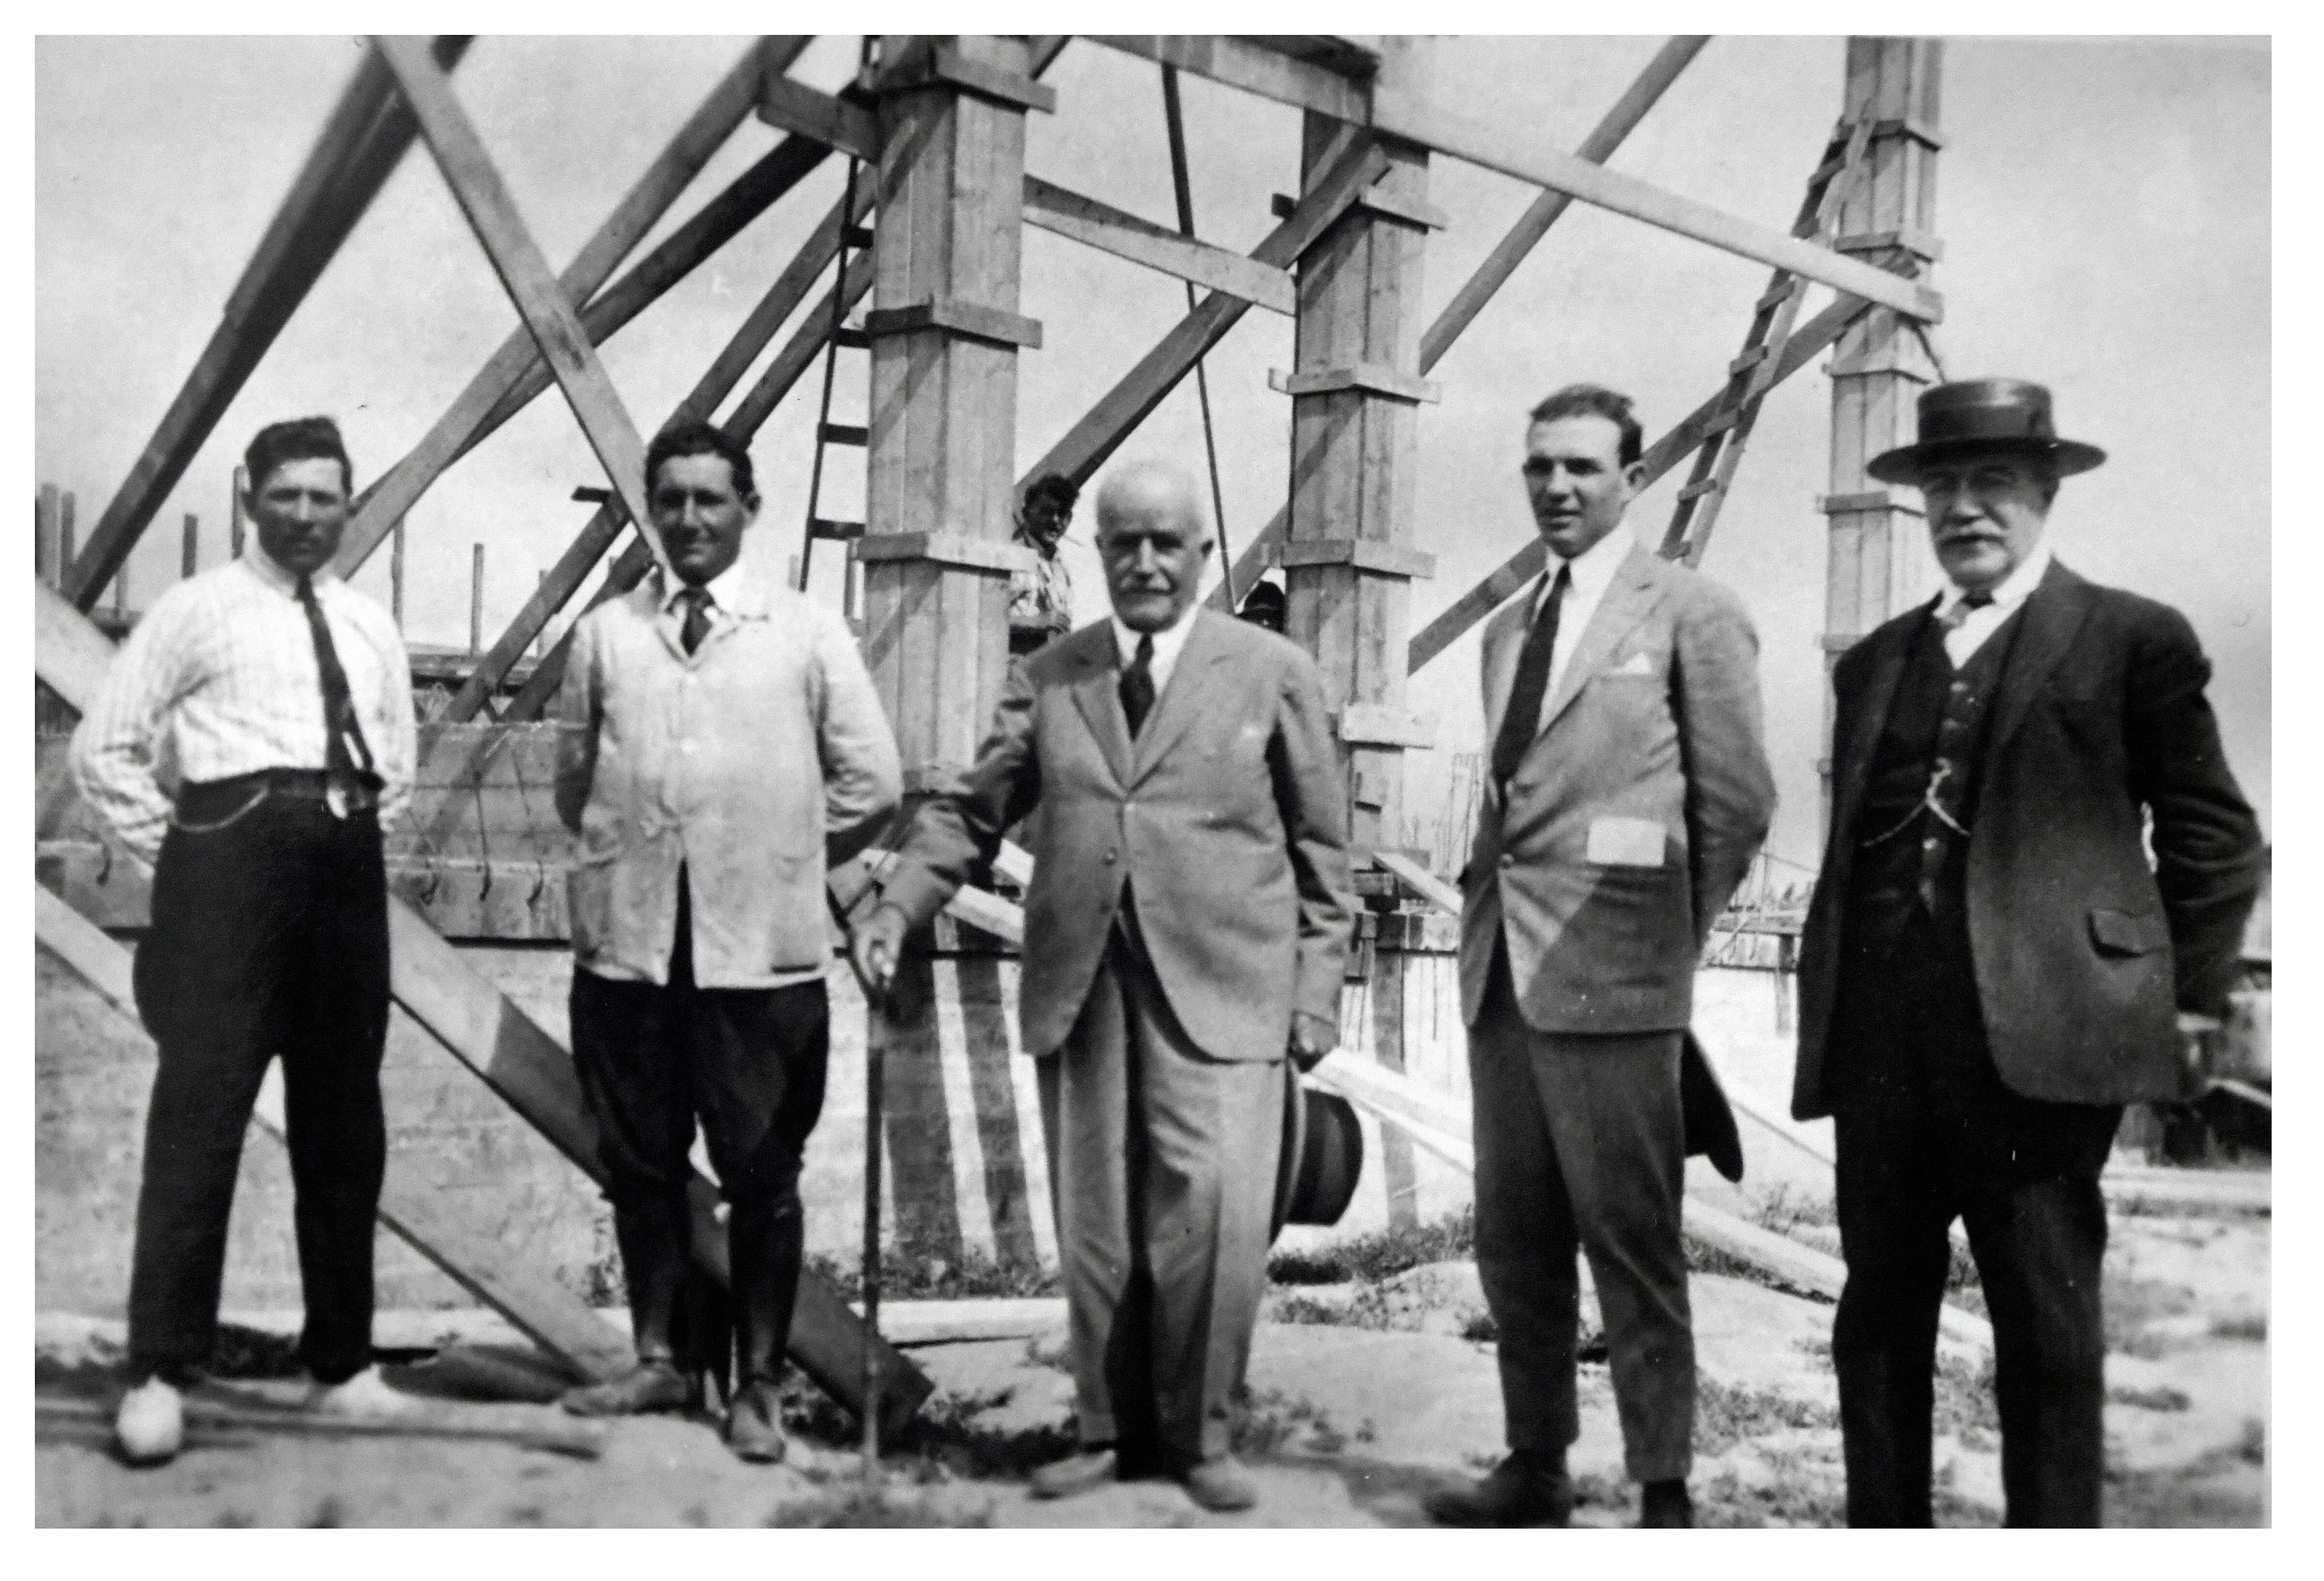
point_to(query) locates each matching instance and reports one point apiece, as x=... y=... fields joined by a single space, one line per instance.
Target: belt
x=210 y=800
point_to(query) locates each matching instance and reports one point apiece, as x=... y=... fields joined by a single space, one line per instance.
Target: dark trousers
x=1581 y=1150
x=1164 y=1166
x=269 y=936
x=1927 y=1132
x=750 y=1064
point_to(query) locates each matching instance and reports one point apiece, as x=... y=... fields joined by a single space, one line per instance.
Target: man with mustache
x=1993 y=965
x=1186 y=931
x=251 y=739
x=720 y=744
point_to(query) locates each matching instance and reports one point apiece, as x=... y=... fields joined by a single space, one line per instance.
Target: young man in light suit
x=1186 y=931
x=1629 y=793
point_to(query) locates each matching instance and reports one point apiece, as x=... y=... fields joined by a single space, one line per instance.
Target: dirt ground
x=1363 y=1392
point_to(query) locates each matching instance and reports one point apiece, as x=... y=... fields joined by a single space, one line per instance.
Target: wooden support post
x=493 y=395
x=235 y=513
x=1875 y=565
x=1349 y=558
x=1398 y=1170
x=395 y=579
x=190 y=555
x=476 y=598
x=358 y=149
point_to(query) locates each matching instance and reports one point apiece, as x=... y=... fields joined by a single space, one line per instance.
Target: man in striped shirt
x=250 y=740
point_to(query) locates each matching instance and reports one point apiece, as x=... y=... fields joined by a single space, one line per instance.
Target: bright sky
x=2105 y=209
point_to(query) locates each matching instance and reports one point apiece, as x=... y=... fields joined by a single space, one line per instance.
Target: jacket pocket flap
x=2126 y=932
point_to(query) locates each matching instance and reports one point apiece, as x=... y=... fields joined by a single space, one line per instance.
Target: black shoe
x=1076 y=1473
x=1528 y=1489
x=653 y=1384
x=1665 y=1503
x=754 y=1428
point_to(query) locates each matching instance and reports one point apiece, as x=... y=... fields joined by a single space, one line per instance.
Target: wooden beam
x=469 y=419
x=836 y=123
x=563 y=580
x=425 y=1217
x=516 y=258
x=487 y=1033
x=1357 y=164
x=1125 y=235
x=1493 y=273
x=1399 y=112
x=1805 y=343
x=1614 y=125
x=360 y=144
x=517 y=373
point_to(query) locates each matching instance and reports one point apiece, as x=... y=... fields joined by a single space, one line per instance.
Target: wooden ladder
x=1752 y=375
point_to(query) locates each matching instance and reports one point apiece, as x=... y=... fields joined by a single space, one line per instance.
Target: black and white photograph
x=1459 y=782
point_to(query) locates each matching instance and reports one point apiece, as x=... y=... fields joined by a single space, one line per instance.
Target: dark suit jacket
x=2084 y=951
x=1228 y=821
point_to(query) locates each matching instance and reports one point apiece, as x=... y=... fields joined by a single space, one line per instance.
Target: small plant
x=1380 y=1255
x=1725 y=1416
x=2159 y=1398
x=2248 y=1325
x=1478 y=1324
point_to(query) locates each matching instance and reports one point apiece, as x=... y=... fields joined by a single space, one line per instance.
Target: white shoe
x=151 y=1423
x=366 y=1394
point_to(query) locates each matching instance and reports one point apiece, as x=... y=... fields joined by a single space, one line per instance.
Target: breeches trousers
x=1581 y=1148
x=1928 y=1133
x=269 y=936
x=1164 y=1161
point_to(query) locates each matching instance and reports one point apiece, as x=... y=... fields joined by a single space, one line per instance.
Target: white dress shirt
x=1589 y=574
x=1167 y=641
x=726 y=590
x=1976 y=624
x=219 y=679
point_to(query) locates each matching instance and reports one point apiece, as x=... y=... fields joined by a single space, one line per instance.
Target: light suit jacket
x=741 y=761
x=1227 y=823
x=1633 y=816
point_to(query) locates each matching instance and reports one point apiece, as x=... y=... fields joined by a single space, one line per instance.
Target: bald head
x=1153 y=535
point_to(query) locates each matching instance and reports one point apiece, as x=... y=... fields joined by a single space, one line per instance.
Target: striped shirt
x=219 y=679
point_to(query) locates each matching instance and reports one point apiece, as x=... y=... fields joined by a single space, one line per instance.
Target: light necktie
x=1522 y=718
x=1137 y=685
x=345 y=751
x=697 y=617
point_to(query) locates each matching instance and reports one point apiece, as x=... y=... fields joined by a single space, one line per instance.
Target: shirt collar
x=1166 y=641
x=1589 y=571
x=726 y=590
x=278 y=577
x=2014 y=589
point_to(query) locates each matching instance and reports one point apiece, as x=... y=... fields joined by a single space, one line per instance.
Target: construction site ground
x=1369 y=1383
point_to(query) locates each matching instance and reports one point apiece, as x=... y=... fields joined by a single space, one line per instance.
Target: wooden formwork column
x=1875 y=565
x=1348 y=555
x=946 y=334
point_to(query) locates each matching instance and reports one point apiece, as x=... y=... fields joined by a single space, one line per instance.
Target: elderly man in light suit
x=1186 y=931
x=1629 y=794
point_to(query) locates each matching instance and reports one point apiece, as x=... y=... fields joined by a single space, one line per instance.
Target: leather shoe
x=150 y=1425
x=754 y=1428
x=653 y=1384
x=1076 y=1473
x=1665 y=1504
x=1526 y=1489
x=1220 y=1484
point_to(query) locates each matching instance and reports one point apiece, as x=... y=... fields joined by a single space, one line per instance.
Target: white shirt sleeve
x=398 y=762
x=116 y=749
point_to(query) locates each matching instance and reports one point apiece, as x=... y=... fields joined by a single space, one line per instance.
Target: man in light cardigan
x=721 y=745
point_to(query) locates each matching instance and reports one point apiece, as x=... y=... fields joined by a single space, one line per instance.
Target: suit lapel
x=1853 y=760
x=1180 y=702
x=1635 y=589
x=1502 y=642
x=1095 y=695
x=2049 y=620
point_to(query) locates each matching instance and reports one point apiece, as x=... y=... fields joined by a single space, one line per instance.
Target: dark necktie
x=1138 y=686
x=1523 y=717
x=697 y=617
x=343 y=736
x=1970 y=604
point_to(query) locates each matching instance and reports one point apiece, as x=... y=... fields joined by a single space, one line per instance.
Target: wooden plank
x=835 y=123
x=516 y=258
x=429 y=1220
x=1420 y=880
x=1616 y=124
x=1086 y=445
x=485 y=1030
x=573 y=568
x=1804 y=345
x=1402 y=113
x=469 y=418
x=360 y=144
x=1125 y=235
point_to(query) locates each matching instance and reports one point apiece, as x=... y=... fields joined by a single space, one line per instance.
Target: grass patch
x=1783 y=1210
x=1478 y=1326
x=944 y=1440
x=870 y=1507
x=1725 y=1416
x=1964 y=1405
x=1269 y=1421
x=2131 y=1304
x=2159 y=1398
x=920 y=1274
x=1381 y=1255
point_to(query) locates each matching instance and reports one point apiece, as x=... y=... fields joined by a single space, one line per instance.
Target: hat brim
x=1904 y=464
